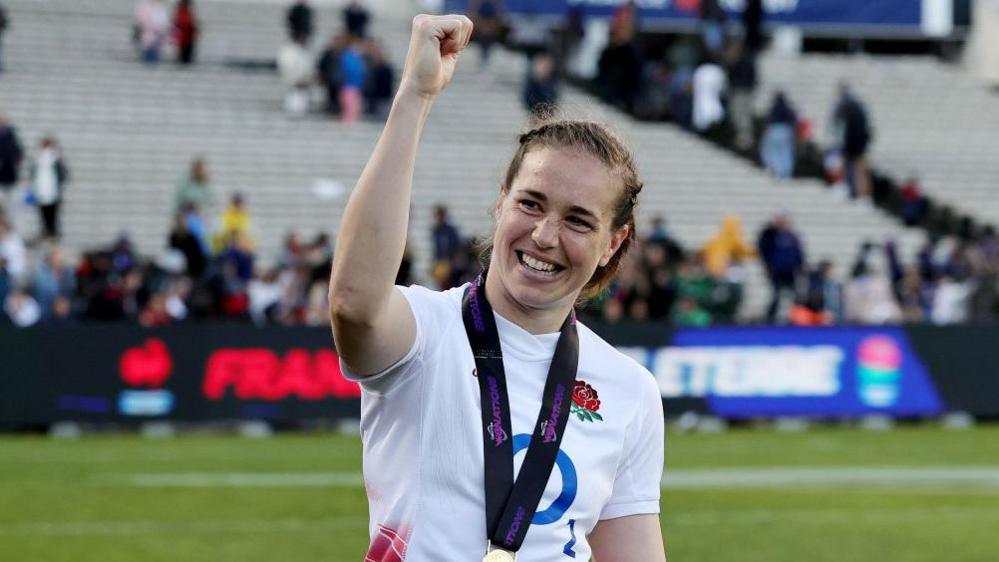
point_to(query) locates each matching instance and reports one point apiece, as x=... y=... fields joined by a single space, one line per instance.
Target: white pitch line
x=211 y=526
x=696 y=517
x=238 y=480
x=763 y=477
x=871 y=477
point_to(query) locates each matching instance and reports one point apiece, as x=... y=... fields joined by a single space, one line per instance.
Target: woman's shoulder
x=432 y=302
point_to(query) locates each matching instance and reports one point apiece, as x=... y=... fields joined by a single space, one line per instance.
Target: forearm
x=372 y=236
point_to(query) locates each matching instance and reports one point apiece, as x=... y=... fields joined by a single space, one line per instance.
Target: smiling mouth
x=542 y=267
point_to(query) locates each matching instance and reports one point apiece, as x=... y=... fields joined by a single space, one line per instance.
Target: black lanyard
x=511 y=506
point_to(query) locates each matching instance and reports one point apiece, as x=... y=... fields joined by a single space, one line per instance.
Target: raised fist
x=434 y=47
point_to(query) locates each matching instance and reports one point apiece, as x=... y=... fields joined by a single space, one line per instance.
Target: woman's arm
x=373 y=325
x=636 y=538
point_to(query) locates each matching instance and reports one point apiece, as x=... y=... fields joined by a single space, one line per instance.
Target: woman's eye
x=578 y=222
x=528 y=204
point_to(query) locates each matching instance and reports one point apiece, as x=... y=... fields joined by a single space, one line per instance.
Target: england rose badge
x=585 y=402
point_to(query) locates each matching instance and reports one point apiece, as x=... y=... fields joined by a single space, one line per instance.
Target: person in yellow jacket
x=235 y=219
x=728 y=245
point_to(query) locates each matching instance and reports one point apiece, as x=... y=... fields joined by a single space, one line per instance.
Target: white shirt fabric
x=46 y=184
x=422 y=436
x=709 y=84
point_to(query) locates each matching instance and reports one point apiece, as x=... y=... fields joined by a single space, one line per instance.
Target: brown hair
x=600 y=142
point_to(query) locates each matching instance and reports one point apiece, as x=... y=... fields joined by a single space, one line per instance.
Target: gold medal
x=499 y=555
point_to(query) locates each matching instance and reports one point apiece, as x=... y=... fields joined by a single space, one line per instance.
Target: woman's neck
x=534 y=320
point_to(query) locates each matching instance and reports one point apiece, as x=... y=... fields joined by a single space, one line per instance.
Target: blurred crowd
x=351 y=71
x=211 y=269
x=350 y=77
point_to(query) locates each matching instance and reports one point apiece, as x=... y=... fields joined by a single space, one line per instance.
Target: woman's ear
x=616 y=240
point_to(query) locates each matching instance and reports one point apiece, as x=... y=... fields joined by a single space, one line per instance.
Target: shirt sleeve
x=431 y=311
x=638 y=481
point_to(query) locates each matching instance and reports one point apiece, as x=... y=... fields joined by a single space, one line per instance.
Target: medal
x=499 y=555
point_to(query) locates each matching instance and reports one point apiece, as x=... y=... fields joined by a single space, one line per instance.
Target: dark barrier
x=213 y=372
x=191 y=373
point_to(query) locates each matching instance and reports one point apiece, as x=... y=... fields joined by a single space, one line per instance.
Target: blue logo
x=568 y=495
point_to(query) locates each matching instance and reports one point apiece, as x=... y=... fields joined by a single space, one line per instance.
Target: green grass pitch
x=837 y=495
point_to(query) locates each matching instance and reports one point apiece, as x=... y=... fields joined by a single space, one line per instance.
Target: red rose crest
x=585 y=402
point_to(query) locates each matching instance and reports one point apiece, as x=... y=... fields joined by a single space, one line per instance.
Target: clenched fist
x=434 y=47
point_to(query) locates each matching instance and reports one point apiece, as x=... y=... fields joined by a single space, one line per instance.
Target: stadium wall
x=217 y=372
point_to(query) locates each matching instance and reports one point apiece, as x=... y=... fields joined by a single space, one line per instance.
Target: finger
x=450 y=32
x=468 y=27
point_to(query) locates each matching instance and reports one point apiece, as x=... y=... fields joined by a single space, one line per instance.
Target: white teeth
x=537 y=264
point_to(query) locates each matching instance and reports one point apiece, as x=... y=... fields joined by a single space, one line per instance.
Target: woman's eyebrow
x=575 y=208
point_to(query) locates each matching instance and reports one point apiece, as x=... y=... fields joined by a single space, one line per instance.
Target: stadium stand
x=930 y=118
x=129 y=133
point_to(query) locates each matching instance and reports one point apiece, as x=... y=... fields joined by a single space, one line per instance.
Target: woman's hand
x=434 y=47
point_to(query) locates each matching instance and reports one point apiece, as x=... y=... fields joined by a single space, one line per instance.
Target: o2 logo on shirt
x=565 y=498
x=569 y=482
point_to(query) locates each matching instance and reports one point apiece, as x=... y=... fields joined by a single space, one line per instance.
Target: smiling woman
x=457 y=386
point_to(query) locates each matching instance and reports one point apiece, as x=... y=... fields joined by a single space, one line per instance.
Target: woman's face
x=554 y=227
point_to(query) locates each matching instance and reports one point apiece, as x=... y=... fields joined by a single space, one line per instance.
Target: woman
x=185 y=31
x=49 y=175
x=777 y=147
x=439 y=433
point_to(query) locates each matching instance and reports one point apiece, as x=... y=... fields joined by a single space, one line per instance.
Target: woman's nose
x=545 y=233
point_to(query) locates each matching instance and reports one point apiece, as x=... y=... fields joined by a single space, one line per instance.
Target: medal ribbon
x=510 y=506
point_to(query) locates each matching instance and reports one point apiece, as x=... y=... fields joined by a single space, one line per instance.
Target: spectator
x=299 y=20
x=853 y=134
x=10 y=161
x=782 y=255
x=869 y=296
x=195 y=189
x=951 y=300
x=184 y=241
x=914 y=297
x=624 y=22
x=821 y=303
x=235 y=219
x=185 y=31
x=4 y=24
x=726 y=248
x=13 y=253
x=381 y=83
x=329 y=70
x=153 y=25
x=264 y=294
x=354 y=73
x=541 y=88
x=447 y=243
x=682 y=59
x=295 y=67
x=6 y=283
x=49 y=175
x=778 y=145
x=53 y=279
x=355 y=19
x=529 y=31
x=709 y=84
x=712 y=26
x=619 y=72
x=752 y=25
x=742 y=81
x=488 y=18
x=22 y=310
x=914 y=205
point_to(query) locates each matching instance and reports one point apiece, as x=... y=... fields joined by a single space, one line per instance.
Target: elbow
x=348 y=307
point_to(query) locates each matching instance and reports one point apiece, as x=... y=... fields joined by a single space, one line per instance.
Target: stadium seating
x=129 y=133
x=930 y=119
